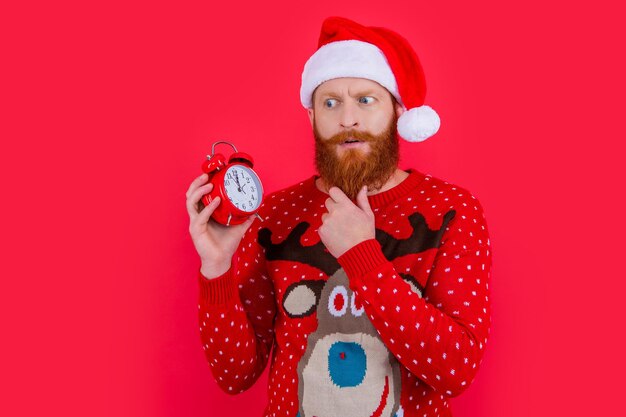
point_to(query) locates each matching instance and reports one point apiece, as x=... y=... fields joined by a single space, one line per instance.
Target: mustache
x=341 y=137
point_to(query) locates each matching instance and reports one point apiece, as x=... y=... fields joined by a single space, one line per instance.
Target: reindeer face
x=346 y=369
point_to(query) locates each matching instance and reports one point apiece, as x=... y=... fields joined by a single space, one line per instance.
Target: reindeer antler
x=292 y=250
x=422 y=238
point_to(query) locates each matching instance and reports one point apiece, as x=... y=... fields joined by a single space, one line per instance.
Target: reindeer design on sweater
x=346 y=369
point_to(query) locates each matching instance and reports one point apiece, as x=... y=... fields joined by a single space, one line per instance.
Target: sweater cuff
x=362 y=258
x=218 y=290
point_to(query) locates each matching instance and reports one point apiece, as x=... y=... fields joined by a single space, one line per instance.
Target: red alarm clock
x=237 y=185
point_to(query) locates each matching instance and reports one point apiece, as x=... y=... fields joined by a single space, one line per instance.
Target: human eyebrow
x=326 y=95
x=365 y=93
x=370 y=93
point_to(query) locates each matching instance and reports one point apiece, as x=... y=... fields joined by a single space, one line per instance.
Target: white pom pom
x=418 y=124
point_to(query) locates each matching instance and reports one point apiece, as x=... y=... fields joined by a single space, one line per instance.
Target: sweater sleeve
x=441 y=336
x=236 y=314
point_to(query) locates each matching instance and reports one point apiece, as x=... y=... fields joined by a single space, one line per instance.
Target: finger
x=194 y=198
x=338 y=195
x=205 y=215
x=363 y=202
x=246 y=224
x=196 y=183
x=329 y=203
x=251 y=219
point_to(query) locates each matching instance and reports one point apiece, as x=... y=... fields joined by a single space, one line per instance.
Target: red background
x=108 y=110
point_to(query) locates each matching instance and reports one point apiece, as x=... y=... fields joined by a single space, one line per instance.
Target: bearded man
x=369 y=282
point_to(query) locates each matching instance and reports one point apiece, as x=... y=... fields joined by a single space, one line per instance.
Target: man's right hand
x=215 y=243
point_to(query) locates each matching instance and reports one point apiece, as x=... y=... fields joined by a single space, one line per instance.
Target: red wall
x=110 y=109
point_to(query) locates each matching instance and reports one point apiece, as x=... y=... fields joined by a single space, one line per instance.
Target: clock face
x=243 y=188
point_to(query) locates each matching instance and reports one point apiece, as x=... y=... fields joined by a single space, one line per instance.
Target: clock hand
x=237 y=181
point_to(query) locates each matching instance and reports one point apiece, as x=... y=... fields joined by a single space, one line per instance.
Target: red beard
x=354 y=169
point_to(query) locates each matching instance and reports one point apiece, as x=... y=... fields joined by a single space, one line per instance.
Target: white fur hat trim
x=349 y=58
x=418 y=123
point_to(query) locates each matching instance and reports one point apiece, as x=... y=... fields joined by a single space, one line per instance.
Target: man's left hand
x=346 y=224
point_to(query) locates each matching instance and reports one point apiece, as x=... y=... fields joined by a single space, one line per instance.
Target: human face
x=344 y=105
x=374 y=158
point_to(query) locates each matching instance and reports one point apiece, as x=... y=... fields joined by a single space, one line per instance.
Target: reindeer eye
x=356 y=306
x=338 y=301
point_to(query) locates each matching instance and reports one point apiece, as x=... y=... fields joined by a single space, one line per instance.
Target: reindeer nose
x=347 y=364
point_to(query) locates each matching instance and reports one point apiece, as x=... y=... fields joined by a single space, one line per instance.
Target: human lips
x=351 y=143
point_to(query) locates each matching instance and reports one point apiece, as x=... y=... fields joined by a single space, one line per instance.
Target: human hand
x=346 y=224
x=215 y=243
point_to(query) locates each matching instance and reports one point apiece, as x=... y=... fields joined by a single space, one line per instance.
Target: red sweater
x=393 y=327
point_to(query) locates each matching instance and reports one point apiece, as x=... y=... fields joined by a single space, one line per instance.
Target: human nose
x=348 y=117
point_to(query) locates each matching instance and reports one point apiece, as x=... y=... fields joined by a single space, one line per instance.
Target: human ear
x=399 y=109
x=311 y=114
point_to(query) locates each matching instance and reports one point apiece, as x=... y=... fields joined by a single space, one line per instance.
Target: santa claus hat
x=348 y=49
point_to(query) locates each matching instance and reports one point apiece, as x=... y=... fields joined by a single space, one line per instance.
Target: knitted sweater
x=393 y=327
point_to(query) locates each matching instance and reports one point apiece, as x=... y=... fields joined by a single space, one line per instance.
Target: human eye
x=330 y=103
x=366 y=100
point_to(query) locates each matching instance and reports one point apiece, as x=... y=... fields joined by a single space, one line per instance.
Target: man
x=369 y=282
